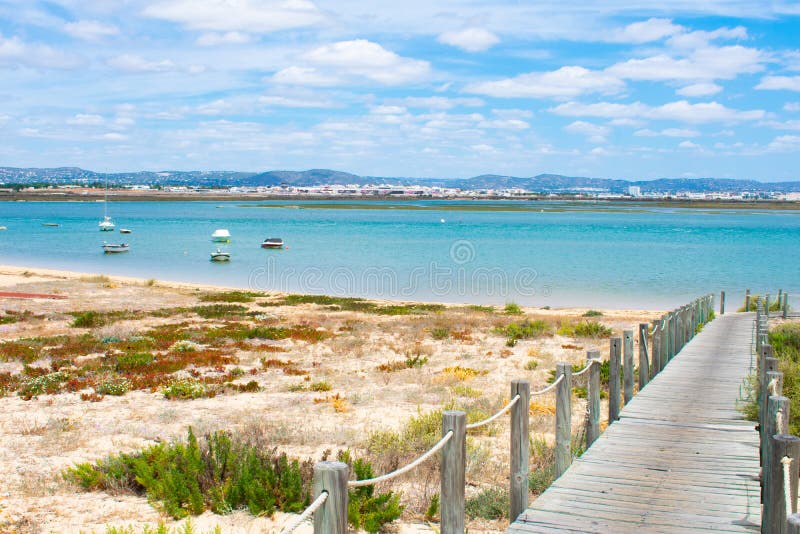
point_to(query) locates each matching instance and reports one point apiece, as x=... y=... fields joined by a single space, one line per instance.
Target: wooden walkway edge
x=680 y=459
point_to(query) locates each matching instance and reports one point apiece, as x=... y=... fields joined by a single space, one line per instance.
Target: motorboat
x=221 y=235
x=53 y=225
x=124 y=231
x=220 y=256
x=115 y=248
x=3 y=228
x=272 y=242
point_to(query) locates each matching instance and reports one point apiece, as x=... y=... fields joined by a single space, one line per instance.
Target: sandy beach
x=358 y=350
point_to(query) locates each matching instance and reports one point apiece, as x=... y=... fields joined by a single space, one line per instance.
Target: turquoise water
x=620 y=257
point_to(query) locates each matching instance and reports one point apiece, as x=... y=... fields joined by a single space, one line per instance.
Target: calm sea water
x=614 y=256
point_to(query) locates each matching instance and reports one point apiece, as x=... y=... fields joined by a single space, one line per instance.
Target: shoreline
x=16 y=274
x=157 y=196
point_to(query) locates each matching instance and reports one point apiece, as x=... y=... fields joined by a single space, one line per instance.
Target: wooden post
x=520 y=447
x=747 y=300
x=453 y=472
x=331 y=517
x=627 y=366
x=722 y=303
x=593 y=398
x=785 y=304
x=655 y=357
x=644 y=360
x=613 y=379
x=664 y=352
x=776 y=404
x=783 y=446
x=769 y=364
x=766 y=306
x=563 y=418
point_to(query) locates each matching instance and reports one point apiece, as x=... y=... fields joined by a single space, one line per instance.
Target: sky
x=634 y=89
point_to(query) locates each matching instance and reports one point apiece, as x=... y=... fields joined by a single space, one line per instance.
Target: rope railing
x=397 y=472
x=307 y=513
x=502 y=411
x=669 y=334
x=787 y=484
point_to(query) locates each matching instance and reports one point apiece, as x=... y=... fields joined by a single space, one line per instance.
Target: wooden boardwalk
x=680 y=459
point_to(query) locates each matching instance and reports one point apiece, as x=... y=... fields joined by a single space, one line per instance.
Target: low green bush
x=524 y=330
x=490 y=503
x=134 y=361
x=440 y=333
x=117 y=387
x=231 y=296
x=512 y=308
x=183 y=389
x=367 y=509
x=584 y=329
x=592 y=313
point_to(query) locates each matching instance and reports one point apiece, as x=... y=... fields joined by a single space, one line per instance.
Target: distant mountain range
x=543 y=183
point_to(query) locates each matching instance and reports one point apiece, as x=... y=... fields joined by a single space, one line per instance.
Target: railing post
x=722 y=303
x=644 y=360
x=453 y=472
x=655 y=357
x=520 y=447
x=782 y=446
x=673 y=337
x=766 y=306
x=593 y=398
x=747 y=300
x=563 y=418
x=613 y=379
x=331 y=517
x=627 y=366
x=767 y=364
x=776 y=404
x=785 y=304
x=664 y=351
x=793 y=524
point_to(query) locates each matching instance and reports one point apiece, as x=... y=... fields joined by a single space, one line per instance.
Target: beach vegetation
x=531 y=364
x=186 y=388
x=161 y=528
x=231 y=296
x=592 y=313
x=440 y=333
x=523 y=330
x=355 y=304
x=320 y=386
x=367 y=509
x=512 y=308
x=489 y=503
x=432 y=512
x=774 y=304
x=481 y=309
x=590 y=329
x=785 y=342
x=220 y=311
x=116 y=386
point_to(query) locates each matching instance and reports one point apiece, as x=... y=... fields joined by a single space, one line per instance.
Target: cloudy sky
x=446 y=88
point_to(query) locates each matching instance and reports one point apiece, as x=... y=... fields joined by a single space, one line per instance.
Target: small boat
x=3 y=228
x=114 y=248
x=54 y=225
x=106 y=225
x=221 y=235
x=124 y=231
x=272 y=242
x=220 y=256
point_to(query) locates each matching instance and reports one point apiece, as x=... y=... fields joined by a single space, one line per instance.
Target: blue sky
x=633 y=89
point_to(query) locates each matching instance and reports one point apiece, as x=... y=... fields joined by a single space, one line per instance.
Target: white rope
x=507 y=407
x=306 y=514
x=772 y=386
x=787 y=484
x=591 y=362
x=409 y=467
x=779 y=422
x=548 y=388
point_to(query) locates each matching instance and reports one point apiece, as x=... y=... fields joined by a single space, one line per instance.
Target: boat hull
x=220 y=257
x=115 y=249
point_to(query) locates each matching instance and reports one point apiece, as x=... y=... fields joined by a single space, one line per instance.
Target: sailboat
x=106 y=225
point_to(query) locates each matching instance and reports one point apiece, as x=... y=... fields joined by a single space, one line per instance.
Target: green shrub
x=440 y=333
x=49 y=383
x=117 y=387
x=186 y=388
x=512 y=308
x=524 y=330
x=785 y=341
x=320 y=386
x=366 y=509
x=88 y=319
x=432 y=513
x=133 y=362
x=593 y=313
x=584 y=329
x=217 y=311
x=531 y=365
x=231 y=296
x=491 y=503
x=774 y=304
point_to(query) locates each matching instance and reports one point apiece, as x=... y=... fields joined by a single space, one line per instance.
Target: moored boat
x=124 y=231
x=106 y=225
x=220 y=256
x=221 y=235
x=54 y=225
x=272 y=242
x=114 y=248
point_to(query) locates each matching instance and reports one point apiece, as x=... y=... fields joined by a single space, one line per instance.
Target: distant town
x=323 y=183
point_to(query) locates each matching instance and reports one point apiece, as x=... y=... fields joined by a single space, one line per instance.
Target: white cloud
x=793 y=124
x=645 y=31
x=90 y=30
x=688 y=144
x=335 y=63
x=668 y=132
x=470 y=39
x=595 y=132
x=703 y=64
x=700 y=89
x=785 y=83
x=791 y=106
x=15 y=52
x=257 y=16
x=134 y=63
x=114 y=136
x=785 y=143
x=700 y=38
x=290 y=102
x=82 y=119
x=680 y=110
x=226 y=38
x=561 y=83
x=441 y=102
x=626 y=121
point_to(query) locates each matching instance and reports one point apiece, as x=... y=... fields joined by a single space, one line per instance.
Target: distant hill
x=542 y=183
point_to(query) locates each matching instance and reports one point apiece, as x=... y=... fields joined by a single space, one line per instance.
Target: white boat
x=3 y=228
x=221 y=235
x=272 y=242
x=124 y=231
x=106 y=225
x=114 y=248
x=220 y=256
